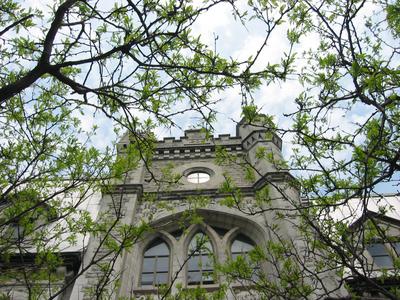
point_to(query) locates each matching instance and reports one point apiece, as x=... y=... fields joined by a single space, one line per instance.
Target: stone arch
x=234 y=233
x=150 y=237
x=233 y=222
x=202 y=227
x=226 y=219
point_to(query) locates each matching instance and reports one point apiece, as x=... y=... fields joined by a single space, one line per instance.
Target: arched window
x=198 y=177
x=200 y=262
x=155 y=267
x=241 y=246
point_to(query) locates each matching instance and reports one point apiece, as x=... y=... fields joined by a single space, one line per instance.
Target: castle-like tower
x=231 y=192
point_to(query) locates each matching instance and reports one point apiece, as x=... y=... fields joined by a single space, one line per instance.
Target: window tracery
x=194 y=251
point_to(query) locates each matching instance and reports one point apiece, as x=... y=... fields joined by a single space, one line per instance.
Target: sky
x=237 y=41
x=234 y=40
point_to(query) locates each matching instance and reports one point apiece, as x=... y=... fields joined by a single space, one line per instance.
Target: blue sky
x=240 y=42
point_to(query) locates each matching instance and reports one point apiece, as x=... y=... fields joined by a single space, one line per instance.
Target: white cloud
x=218 y=19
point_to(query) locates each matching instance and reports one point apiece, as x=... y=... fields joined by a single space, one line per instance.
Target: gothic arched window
x=200 y=263
x=155 y=268
x=241 y=246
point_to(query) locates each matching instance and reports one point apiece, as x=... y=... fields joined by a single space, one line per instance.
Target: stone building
x=254 y=210
x=378 y=258
x=208 y=201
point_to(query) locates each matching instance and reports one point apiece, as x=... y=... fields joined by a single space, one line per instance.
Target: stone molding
x=125 y=189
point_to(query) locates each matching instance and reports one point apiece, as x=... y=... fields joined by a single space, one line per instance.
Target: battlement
x=196 y=137
x=195 y=144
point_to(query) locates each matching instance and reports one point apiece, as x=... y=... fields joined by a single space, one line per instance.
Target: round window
x=198 y=177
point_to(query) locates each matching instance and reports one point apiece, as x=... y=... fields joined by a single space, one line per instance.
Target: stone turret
x=257 y=136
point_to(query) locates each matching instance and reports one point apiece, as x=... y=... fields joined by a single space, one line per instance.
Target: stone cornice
x=276 y=177
x=183 y=194
x=271 y=177
x=125 y=189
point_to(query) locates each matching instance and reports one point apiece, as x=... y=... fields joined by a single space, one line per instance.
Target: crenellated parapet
x=195 y=144
x=261 y=136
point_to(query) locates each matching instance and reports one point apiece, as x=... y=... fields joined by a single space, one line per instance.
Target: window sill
x=154 y=290
x=208 y=287
x=146 y=290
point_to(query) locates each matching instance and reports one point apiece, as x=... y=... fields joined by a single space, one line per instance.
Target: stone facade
x=222 y=214
x=190 y=154
x=261 y=204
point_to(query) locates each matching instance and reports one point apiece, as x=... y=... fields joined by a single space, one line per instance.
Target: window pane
x=194 y=263
x=148 y=264
x=207 y=277
x=235 y=255
x=200 y=244
x=162 y=264
x=240 y=247
x=201 y=264
x=397 y=248
x=157 y=249
x=155 y=263
x=376 y=249
x=194 y=277
x=380 y=255
x=162 y=278
x=383 y=261
x=198 y=177
x=206 y=262
x=147 y=279
x=203 y=177
x=192 y=177
x=242 y=244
